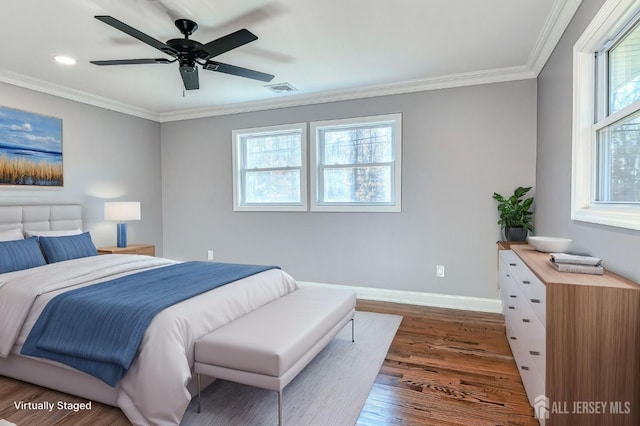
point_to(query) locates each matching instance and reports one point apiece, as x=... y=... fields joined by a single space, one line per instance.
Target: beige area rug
x=330 y=391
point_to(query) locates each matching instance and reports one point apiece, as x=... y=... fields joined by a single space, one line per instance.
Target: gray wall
x=617 y=246
x=107 y=155
x=459 y=146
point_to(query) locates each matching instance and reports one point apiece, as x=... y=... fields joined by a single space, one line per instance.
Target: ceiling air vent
x=281 y=88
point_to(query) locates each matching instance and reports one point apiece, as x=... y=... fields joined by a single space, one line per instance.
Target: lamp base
x=122 y=235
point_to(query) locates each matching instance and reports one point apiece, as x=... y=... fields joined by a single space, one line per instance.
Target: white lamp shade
x=122 y=210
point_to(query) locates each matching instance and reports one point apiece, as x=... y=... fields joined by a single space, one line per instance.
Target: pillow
x=11 y=234
x=20 y=254
x=58 y=233
x=58 y=249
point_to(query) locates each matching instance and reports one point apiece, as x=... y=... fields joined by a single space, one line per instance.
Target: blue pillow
x=58 y=249
x=20 y=254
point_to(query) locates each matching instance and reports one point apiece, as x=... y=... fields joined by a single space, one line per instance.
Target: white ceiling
x=328 y=50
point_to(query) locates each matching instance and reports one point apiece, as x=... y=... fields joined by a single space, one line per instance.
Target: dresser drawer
x=509 y=259
x=514 y=307
x=510 y=294
x=533 y=383
x=535 y=294
x=533 y=341
x=512 y=338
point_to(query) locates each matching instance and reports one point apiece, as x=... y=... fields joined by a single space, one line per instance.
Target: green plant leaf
x=515 y=212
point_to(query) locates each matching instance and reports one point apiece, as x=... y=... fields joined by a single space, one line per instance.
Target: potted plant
x=515 y=214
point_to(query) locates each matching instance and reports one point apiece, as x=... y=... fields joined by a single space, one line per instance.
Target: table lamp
x=122 y=211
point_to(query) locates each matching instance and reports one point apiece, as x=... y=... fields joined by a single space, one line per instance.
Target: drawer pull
x=536 y=353
x=526 y=282
x=512 y=264
x=525 y=320
x=513 y=296
x=524 y=367
x=511 y=307
x=513 y=338
x=535 y=300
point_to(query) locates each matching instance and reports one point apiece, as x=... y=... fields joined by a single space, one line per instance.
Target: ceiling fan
x=189 y=52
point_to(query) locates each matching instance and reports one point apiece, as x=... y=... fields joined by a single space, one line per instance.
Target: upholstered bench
x=268 y=347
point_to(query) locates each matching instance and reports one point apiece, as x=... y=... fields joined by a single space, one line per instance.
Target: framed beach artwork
x=30 y=149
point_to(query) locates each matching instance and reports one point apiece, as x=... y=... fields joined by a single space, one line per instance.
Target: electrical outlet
x=440 y=271
x=210 y=255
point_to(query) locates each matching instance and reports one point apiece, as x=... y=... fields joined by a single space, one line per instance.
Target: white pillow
x=11 y=234
x=58 y=233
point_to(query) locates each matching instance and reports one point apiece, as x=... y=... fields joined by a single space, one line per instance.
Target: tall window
x=269 y=168
x=618 y=121
x=606 y=126
x=357 y=164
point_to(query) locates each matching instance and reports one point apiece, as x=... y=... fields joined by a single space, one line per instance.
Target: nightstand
x=147 y=249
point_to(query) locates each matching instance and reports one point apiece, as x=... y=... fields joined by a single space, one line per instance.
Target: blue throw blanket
x=97 y=329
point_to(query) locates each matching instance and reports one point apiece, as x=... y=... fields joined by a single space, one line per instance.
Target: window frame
x=317 y=182
x=589 y=107
x=238 y=156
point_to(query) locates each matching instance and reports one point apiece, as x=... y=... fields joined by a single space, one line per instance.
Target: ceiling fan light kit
x=187 y=52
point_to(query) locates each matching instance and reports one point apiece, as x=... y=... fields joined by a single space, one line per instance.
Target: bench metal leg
x=199 y=391
x=279 y=408
x=352 y=330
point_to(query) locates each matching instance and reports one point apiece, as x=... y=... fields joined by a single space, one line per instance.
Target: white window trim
x=613 y=15
x=352 y=207
x=237 y=169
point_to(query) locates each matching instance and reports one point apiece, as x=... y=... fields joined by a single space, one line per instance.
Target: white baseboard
x=419 y=298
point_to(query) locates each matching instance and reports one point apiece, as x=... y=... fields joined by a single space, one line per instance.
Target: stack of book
x=564 y=262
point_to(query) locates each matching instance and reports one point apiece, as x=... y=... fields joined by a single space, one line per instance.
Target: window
x=606 y=127
x=618 y=120
x=269 y=168
x=357 y=164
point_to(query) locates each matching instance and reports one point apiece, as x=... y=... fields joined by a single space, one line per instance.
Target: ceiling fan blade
x=252 y=17
x=226 y=43
x=239 y=71
x=190 y=77
x=137 y=34
x=133 y=61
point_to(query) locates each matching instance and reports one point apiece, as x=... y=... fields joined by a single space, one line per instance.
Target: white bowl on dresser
x=549 y=244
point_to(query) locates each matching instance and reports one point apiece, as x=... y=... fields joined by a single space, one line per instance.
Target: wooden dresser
x=575 y=339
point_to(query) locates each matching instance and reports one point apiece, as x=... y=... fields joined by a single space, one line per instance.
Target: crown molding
x=74 y=95
x=556 y=23
x=443 y=82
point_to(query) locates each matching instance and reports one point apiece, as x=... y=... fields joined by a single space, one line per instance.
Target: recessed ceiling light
x=67 y=60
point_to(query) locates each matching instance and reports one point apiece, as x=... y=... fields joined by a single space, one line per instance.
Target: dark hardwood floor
x=444 y=367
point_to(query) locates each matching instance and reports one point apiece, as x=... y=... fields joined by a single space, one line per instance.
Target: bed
x=159 y=385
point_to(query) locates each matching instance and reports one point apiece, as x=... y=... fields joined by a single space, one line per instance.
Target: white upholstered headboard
x=41 y=217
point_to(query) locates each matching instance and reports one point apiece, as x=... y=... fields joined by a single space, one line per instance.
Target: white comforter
x=154 y=390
